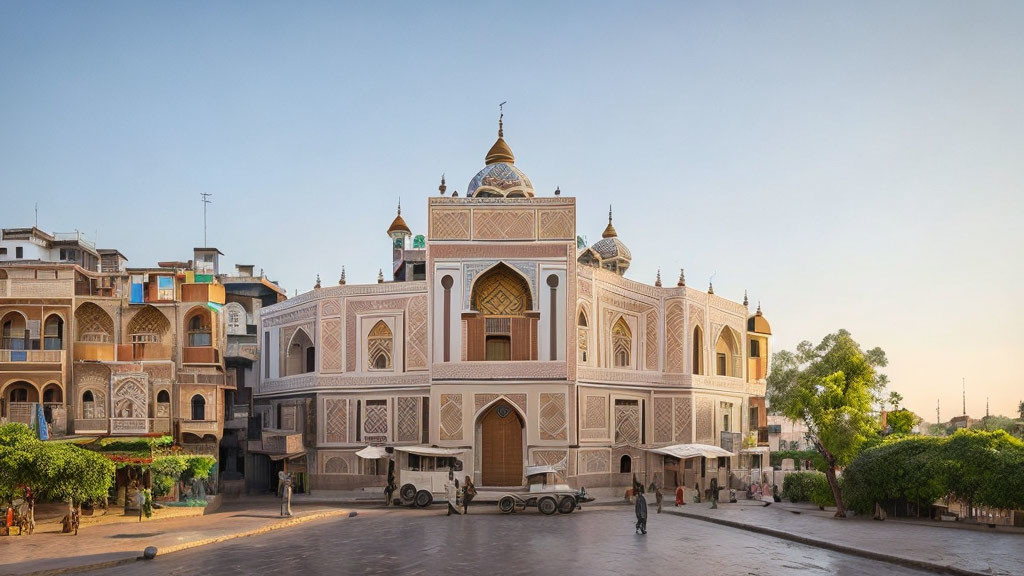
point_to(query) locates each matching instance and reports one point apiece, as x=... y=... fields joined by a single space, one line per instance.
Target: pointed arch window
x=622 y=341
x=582 y=340
x=379 y=347
x=698 y=350
x=198 y=407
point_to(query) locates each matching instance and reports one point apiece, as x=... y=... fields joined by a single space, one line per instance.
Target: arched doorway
x=501 y=451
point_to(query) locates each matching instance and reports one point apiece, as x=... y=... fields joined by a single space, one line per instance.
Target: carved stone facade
x=507 y=316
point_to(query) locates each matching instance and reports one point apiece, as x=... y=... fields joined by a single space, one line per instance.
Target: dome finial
x=380 y=276
x=746 y=302
x=609 y=231
x=341 y=281
x=317 y=285
x=711 y=287
x=399 y=205
x=398 y=225
x=759 y=308
x=657 y=282
x=501 y=119
x=442 y=187
x=682 y=278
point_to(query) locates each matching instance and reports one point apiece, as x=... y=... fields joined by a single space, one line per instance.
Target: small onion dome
x=398 y=224
x=758 y=323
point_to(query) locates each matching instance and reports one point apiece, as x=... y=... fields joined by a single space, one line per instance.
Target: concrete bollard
x=149 y=553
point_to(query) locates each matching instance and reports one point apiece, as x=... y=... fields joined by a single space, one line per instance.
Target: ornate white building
x=500 y=335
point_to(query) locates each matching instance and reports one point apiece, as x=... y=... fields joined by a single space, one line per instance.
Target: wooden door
x=502 y=450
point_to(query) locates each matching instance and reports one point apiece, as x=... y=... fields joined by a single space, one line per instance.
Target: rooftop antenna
x=938 y=418
x=206 y=200
x=986 y=407
x=964 y=381
x=37 y=214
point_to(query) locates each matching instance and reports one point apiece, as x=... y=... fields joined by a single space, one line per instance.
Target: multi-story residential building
x=109 y=349
x=500 y=335
x=246 y=294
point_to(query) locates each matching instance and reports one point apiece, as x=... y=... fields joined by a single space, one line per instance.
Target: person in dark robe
x=389 y=490
x=468 y=492
x=641 y=513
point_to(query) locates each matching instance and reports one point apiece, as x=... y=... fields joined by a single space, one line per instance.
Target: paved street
x=595 y=541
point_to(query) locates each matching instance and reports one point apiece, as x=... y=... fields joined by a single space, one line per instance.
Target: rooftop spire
x=609 y=231
x=341 y=281
x=317 y=285
x=682 y=278
x=442 y=187
x=500 y=152
x=380 y=276
x=657 y=282
x=711 y=287
x=745 y=301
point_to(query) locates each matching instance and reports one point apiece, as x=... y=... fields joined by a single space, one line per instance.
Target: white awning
x=755 y=450
x=531 y=470
x=430 y=450
x=372 y=452
x=684 y=451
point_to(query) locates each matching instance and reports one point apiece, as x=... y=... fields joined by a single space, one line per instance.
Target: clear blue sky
x=857 y=166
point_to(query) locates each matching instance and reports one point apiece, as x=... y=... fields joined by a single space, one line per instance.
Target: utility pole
x=964 y=381
x=206 y=200
x=938 y=418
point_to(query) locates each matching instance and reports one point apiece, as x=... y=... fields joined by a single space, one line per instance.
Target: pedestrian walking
x=452 y=492
x=468 y=493
x=389 y=490
x=641 y=513
x=658 y=497
x=679 y=496
x=285 y=480
x=140 y=500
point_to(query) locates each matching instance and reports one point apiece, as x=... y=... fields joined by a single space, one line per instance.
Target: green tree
x=68 y=473
x=832 y=392
x=993 y=423
x=978 y=468
x=17 y=459
x=895 y=398
x=902 y=421
x=1020 y=409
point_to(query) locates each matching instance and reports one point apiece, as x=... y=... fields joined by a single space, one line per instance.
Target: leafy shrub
x=799 y=456
x=801 y=486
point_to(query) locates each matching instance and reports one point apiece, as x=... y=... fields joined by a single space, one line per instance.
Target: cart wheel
x=507 y=505
x=567 y=505
x=407 y=494
x=424 y=498
x=547 y=506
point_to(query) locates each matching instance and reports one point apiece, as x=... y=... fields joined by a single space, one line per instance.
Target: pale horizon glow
x=852 y=166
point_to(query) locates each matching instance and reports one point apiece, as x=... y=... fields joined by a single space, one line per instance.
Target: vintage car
x=543 y=491
x=420 y=471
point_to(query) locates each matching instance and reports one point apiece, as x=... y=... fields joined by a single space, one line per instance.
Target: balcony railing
x=32 y=356
x=153 y=351
x=199 y=426
x=90 y=425
x=200 y=355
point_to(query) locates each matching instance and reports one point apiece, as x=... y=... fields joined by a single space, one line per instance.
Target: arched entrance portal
x=501 y=439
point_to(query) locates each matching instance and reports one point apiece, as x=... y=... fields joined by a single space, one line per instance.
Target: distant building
x=786 y=434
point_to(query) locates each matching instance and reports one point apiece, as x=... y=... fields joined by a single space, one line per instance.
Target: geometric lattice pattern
x=557 y=224
x=674 y=352
x=376 y=421
x=622 y=341
x=416 y=330
x=335 y=420
x=652 y=341
x=407 y=417
x=705 y=421
x=552 y=416
x=450 y=225
x=627 y=423
x=662 y=419
x=93 y=324
x=683 y=415
x=379 y=344
x=451 y=416
x=330 y=345
x=149 y=320
x=336 y=465
x=594 y=461
x=503 y=224
x=501 y=292
x=557 y=459
x=596 y=413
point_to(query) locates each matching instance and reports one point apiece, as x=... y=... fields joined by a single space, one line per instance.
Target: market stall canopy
x=430 y=450
x=291 y=456
x=531 y=470
x=372 y=452
x=684 y=451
